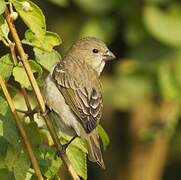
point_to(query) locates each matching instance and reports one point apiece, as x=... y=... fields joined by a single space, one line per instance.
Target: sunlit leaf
x=77 y=142
x=32 y=17
x=49 y=40
x=46 y=59
x=103 y=135
x=78 y=160
x=21 y=76
x=2 y=6
x=6 y=66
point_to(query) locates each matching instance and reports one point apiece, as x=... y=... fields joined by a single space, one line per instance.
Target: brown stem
x=23 y=90
x=24 y=59
x=21 y=130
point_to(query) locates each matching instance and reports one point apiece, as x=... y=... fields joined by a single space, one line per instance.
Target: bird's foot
x=46 y=112
x=65 y=146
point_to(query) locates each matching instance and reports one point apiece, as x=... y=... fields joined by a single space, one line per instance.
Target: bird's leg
x=46 y=112
x=64 y=146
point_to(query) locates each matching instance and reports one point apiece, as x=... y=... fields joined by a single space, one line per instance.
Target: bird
x=73 y=92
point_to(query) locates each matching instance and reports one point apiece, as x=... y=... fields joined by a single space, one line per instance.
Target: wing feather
x=84 y=98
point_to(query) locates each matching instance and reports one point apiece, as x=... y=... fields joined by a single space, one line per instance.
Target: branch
x=21 y=130
x=24 y=59
x=23 y=90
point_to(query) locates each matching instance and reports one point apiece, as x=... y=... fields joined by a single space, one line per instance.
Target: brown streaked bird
x=72 y=92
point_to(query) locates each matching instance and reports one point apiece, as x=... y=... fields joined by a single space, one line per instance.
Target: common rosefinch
x=72 y=92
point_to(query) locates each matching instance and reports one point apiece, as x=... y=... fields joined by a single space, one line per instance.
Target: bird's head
x=92 y=51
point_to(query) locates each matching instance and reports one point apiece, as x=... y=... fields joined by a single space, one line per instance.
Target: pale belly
x=63 y=116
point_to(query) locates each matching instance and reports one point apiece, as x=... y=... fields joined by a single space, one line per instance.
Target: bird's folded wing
x=85 y=100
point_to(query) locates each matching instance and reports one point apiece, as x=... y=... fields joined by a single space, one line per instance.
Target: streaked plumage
x=73 y=92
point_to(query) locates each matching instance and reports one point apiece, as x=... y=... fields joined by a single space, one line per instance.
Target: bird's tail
x=94 y=150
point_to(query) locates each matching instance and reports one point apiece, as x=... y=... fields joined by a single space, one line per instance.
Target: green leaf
x=6 y=175
x=2 y=6
x=78 y=160
x=1 y=128
x=3 y=147
x=53 y=168
x=33 y=133
x=6 y=66
x=46 y=59
x=21 y=166
x=103 y=135
x=49 y=162
x=164 y=25
x=11 y=157
x=77 y=142
x=3 y=105
x=32 y=17
x=49 y=40
x=21 y=76
x=10 y=132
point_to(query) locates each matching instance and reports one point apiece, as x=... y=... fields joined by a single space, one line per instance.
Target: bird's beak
x=108 y=56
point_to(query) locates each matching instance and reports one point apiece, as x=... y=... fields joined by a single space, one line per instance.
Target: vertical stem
x=21 y=130
x=24 y=59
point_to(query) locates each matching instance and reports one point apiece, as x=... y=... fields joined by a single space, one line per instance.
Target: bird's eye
x=95 y=50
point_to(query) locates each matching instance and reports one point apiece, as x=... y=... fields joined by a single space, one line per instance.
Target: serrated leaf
x=21 y=166
x=164 y=25
x=78 y=160
x=2 y=6
x=46 y=59
x=77 y=142
x=21 y=76
x=47 y=43
x=103 y=135
x=33 y=17
x=6 y=66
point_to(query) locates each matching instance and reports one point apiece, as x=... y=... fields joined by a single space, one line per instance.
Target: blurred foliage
x=142 y=87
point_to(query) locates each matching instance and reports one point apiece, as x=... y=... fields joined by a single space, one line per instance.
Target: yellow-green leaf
x=33 y=17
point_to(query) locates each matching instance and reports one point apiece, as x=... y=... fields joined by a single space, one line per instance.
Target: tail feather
x=94 y=150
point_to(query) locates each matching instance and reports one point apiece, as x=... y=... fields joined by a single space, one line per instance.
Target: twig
x=24 y=59
x=21 y=130
x=23 y=90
